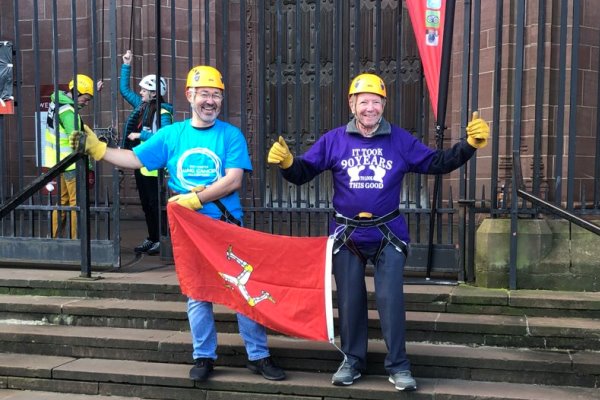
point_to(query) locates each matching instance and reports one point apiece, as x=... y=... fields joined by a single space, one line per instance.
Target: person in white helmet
x=140 y=126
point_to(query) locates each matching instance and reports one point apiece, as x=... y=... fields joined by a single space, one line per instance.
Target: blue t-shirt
x=198 y=156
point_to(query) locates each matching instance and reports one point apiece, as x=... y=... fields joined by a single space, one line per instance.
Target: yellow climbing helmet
x=205 y=76
x=367 y=83
x=85 y=85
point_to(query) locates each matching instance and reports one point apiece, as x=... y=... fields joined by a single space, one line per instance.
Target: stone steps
x=473 y=329
x=431 y=360
x=161 y=284
x=146 y=380
x=126 y=334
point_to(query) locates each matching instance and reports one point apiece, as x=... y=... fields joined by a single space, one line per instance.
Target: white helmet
x=149 y=83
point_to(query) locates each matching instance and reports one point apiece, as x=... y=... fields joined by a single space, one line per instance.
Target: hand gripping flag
x=427 y=18
x=281 y=282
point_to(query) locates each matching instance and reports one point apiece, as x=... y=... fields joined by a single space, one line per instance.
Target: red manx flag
x=282 y=282
x=427 y=17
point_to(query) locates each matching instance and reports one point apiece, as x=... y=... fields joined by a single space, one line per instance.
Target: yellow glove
x=189 y=200
x=280 y=154
x=88 y=143
x=478 y=131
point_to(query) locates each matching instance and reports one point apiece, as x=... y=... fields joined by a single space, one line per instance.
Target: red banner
x=282 y=282
x=7 y=107
x=427 y=17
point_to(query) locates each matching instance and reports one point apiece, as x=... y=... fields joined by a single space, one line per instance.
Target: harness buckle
x=364 y=215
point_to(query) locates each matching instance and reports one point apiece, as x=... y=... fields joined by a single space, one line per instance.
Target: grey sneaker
x=149 y=247
x=154 y=249
x=144 y=246
x=345 y=375
x=403 y=380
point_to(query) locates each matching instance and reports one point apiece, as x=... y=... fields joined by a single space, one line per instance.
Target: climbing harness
x=368 y=220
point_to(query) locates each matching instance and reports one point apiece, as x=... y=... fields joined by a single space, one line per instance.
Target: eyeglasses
x=206 y=96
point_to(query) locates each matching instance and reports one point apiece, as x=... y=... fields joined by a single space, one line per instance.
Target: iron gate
x=284 y=75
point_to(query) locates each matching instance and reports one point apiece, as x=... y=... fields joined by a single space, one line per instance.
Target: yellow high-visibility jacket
x=62 y=118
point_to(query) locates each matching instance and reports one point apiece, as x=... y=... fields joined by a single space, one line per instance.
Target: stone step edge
x=32 y=394
x=119 y=377
x=423 y=320
x=458 y=295
x=230 y=344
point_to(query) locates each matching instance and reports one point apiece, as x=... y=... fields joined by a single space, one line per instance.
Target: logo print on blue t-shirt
x=199 y=166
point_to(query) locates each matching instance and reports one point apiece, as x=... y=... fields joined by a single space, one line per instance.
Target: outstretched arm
x=448 y=160
x=87 y=142
x=294 y=170
x=122 y=158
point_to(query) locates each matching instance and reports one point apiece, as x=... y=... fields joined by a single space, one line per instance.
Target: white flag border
x=328 y=290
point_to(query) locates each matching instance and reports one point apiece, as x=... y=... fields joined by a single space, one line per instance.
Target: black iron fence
x=531 y=70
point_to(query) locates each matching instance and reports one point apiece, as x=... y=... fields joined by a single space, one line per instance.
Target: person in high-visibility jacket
x=142 y=123
x=60 y=124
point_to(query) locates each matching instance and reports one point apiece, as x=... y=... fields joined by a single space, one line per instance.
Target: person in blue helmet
x=368 y=158
x=140 y=126
x=206 y=159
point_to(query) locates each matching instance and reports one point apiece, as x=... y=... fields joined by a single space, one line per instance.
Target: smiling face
x=206 y=105
x=367 y=109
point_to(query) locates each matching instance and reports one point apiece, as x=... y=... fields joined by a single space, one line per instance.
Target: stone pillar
x=573 y=262
x=551 y=255
x=492 y=250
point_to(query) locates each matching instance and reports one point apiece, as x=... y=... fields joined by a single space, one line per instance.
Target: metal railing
x=83 y=205
x=284 y=77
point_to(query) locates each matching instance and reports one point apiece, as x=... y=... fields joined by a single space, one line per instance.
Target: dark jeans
x=148 y=191
x=349 y=272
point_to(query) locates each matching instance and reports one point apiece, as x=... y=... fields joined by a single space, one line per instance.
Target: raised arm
x=124 y=85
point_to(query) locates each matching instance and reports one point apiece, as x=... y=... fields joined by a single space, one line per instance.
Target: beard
x=206 y=114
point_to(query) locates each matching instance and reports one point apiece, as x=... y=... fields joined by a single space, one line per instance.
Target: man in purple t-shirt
x=368 y=159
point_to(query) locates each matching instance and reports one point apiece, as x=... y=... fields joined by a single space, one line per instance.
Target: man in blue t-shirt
x=206 y=159
x=368 y=158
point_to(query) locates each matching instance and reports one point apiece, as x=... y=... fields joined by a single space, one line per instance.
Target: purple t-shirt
x=367 y=173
